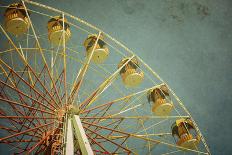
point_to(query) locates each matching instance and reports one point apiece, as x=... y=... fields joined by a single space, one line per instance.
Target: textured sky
x=188 y=43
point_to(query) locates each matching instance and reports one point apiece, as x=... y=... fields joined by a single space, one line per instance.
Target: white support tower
x=70 y=141
x=75 y=128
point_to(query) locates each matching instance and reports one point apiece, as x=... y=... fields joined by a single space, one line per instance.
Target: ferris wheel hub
x=73 y=110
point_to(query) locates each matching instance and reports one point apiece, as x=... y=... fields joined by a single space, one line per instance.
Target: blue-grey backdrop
x=189 y=43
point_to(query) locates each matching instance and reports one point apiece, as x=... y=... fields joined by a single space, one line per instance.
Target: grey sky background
x=187 y=42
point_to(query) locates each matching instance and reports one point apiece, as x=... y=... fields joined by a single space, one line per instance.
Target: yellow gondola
x=101 y=51
x=130 y=73
x=186 y=134
x=16 y=20
x=162 y=104
x=56 y=30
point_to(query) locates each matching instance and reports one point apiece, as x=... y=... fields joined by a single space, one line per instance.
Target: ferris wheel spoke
x=38 y=44
x=143 y=135
x=112 y=130
x=25 y=117
x=19 y=141
x=30 y=85
x=12 y=122
x=64 y=60
x=118 y=100
x=27 y=65
x=132 y=135
x=19 y=122
x=116 y=123
x=25 y=131
x=3 y=93
x=16 y=110
x=116 y=144
x=27 y=96
x=16 y=146
x=11 y=131
x=172 y=152
x=39 y=143
x=26 y=106
x=102 y=115
x=40 y=149
x=80 y=77
x=102 y=87
x=98 y=144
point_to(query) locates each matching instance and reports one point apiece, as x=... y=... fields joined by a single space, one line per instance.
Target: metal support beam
x=81 y=136
x=69 y=150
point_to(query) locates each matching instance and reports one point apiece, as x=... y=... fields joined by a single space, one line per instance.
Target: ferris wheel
x=68 y=88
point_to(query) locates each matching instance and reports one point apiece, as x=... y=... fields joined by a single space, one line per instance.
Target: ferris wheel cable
x=25 y=60
x=126 y=110
x=41 y=52
x=85 y=104
x=156 y=134
x=172 y=152
x=110 y=123
x=83 y=71
x=20 y=92
x=23 y=105
x=25 y=131
x=64 y=62
x=27 y=44
x=79 y=20
x=17 y=138
x=182 y=105
x=15 y=110
x=127 y=150
x=27 y=117
x=121 y=144
x=3 y=93
x=28 y=144
x=50 y=16
x=135 y=117
x=39 y=143
x=45 y=49
x=23 y=123
x=28 y=85
x=120 y=99
x=121 y=93
x=18 y=141
x=132 y=102
x=146 y=139
x=153 y=125
x=20 y=122
x=57 y=51
x=94 y=141
x=26 y=63
x=148 y=142
x=10 y=130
